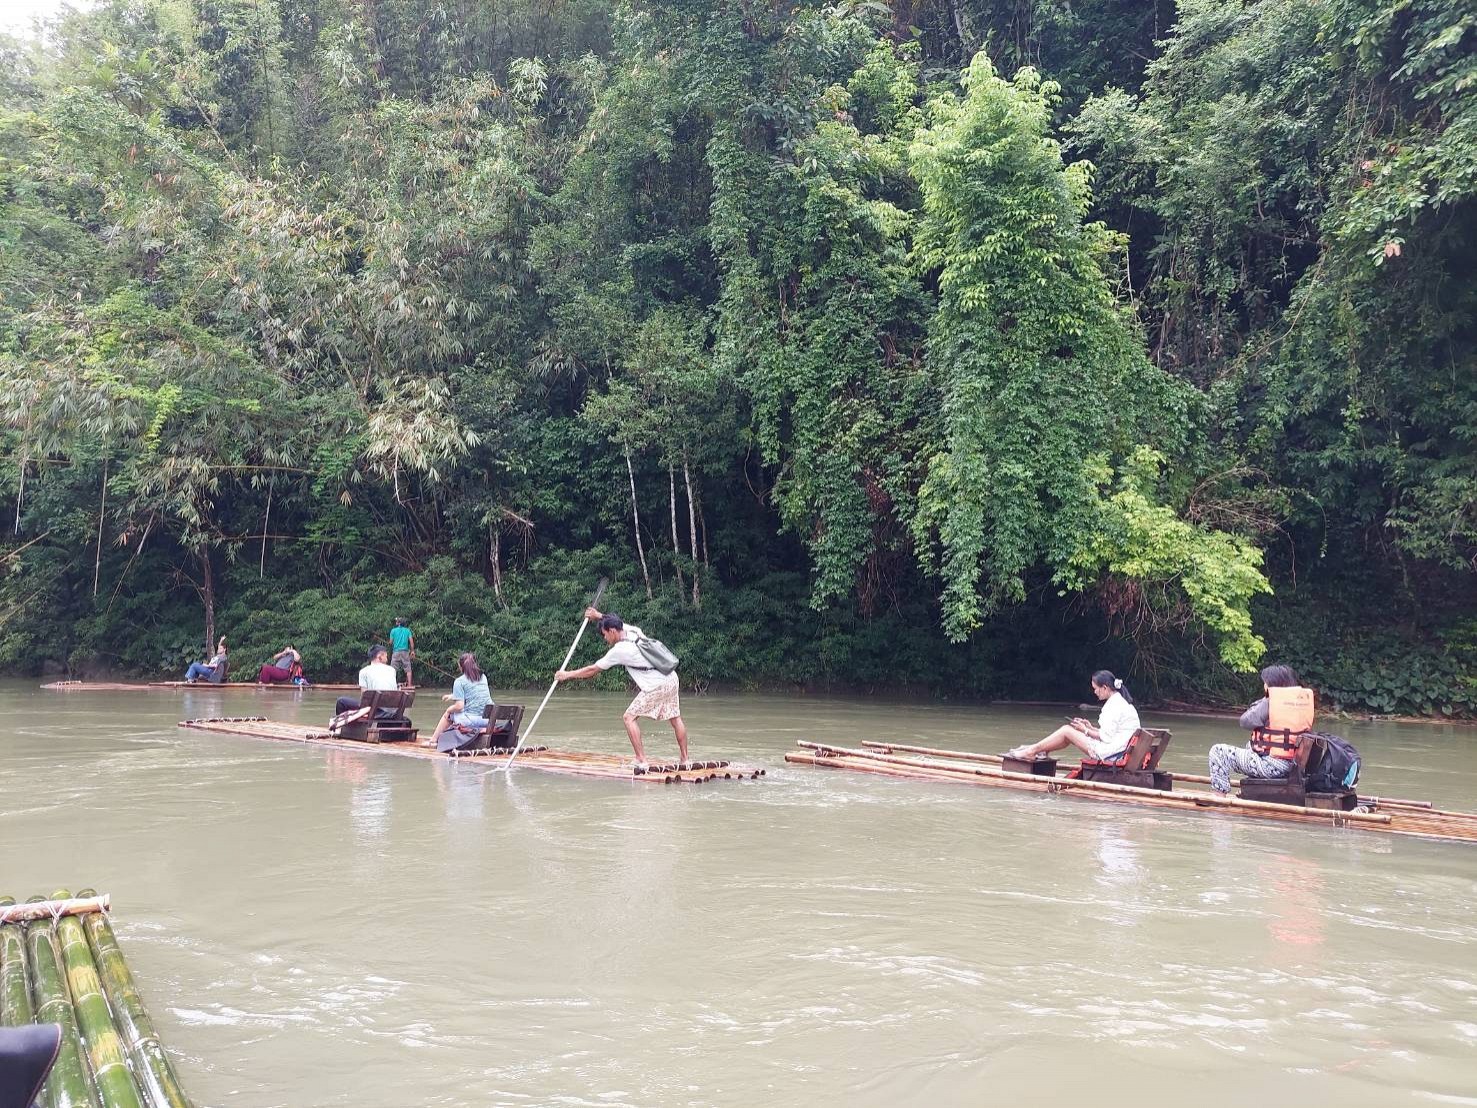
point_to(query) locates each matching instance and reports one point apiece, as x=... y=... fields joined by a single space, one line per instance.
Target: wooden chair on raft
x=387 y=721
x=1293 y=789
x=500 y=734
x=218 y=674
x=1138 y=765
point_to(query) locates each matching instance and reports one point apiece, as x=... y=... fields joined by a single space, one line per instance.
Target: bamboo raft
x=125 y=686
x=60 y=963
x=1389 y=815
x=569 y=762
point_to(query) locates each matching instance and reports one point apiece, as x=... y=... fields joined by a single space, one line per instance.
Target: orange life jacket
x=1289 y=717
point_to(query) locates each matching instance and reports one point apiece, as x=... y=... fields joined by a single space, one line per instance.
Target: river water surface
x=318 y=927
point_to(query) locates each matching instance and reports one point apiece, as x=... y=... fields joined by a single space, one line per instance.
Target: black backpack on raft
x=1334 y=765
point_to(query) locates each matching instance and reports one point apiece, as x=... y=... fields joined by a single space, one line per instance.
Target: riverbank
x=615 y=681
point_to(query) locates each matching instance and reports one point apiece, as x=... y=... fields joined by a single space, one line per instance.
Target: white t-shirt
x=377 y=677
x=624 y=653
x=1116 y=723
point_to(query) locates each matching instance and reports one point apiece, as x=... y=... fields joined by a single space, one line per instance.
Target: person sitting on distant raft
x=1116 y=724
x=376 y=676
x=658 y=697
x=285 y=665
x=207 y=670
x=1276 y=722
x=469 y=698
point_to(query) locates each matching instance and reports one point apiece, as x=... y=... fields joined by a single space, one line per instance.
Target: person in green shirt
x=402 y=647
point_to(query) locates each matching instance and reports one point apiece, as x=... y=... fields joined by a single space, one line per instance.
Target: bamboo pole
x=152 y=1068
x=68 y=1086
x=931 y=751
x=104 y=1046
x=49 y=909
x=15 y=997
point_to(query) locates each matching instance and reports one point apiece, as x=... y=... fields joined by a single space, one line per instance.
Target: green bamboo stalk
x=15 y=996
x=104 y=1047
x=15 y=984
x=67 y=1087
x=151 y=1066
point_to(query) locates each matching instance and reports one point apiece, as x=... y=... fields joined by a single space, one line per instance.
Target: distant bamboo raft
x=569 y=762
x=60 y=963
x=1386 y=815
x=158 y=686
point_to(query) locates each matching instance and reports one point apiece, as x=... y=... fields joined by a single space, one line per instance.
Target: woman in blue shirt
x=469 y=698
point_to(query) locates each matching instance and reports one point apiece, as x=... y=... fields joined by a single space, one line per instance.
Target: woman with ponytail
x=1116 y=724
x=469 y=698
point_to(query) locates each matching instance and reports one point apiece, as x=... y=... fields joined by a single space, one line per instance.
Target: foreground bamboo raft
x=575 y=763
x=60 y=963
x=1381 y=814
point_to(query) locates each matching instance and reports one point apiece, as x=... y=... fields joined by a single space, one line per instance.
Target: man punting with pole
x=651 y=666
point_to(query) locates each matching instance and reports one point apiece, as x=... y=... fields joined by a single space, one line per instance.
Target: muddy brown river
x=319 y=927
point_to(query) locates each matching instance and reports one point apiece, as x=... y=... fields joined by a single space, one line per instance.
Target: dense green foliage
x=966 y=346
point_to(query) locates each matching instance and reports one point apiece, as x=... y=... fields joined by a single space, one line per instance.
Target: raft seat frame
x=1138 y=765
x=387 y=722
x=500 y=733
x=1293 y=789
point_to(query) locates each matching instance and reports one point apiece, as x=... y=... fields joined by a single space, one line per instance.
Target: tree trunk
x=636 y=523
x=20 y=496
x=691 y=530
x=702 y=524
x=97 y=562
x=495 y=551
x=676 y=546
x=266 y=518
x=207 y=597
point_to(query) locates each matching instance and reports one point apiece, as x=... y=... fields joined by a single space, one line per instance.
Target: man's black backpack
x=1334 y=765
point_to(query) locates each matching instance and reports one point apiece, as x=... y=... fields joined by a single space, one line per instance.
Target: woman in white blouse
x=1116 y=724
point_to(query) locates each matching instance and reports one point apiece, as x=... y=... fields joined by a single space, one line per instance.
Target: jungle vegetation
x=959 y=345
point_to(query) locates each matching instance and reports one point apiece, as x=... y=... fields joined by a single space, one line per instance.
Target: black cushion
x=26 y=1057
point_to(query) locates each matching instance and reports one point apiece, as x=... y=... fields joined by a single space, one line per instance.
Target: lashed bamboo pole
x=580 y=763
x=1188 y=778
x=104 y=1047
x=1416 y=824
x=152 y=1068
x=49 y=909
x=1203 y=799
x=69 y=1084
x=15 y=996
